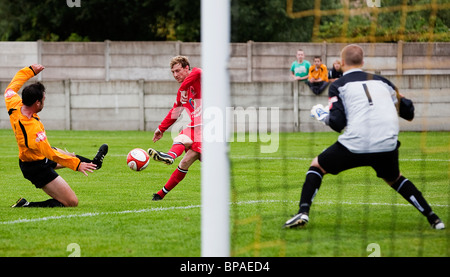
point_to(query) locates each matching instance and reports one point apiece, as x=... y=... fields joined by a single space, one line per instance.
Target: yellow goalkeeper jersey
x=30 y=133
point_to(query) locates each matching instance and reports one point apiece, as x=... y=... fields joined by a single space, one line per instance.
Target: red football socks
x=176 y=177
x=176 y=150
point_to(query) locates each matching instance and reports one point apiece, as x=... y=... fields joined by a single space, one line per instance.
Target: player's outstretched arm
x=21 y=77
x=37 y=68
x=86 y=167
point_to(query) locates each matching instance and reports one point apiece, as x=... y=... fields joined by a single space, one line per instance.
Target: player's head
x=180 y=68
x=352 y=56
x=182 y=60
x=34 y=94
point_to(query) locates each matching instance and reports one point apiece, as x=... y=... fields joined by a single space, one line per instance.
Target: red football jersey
x=193 y=107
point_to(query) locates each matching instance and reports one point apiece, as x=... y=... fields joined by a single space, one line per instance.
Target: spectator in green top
x=300 y=67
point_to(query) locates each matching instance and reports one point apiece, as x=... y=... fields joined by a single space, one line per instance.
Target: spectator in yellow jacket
x=318 y=76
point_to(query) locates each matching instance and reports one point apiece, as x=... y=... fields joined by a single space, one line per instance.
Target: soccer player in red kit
x=189 y=139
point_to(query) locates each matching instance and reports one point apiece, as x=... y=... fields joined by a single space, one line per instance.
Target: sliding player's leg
x=60 y=190
x=97 y=160
x=61 y=196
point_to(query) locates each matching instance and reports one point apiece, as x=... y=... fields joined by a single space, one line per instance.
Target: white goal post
x=215 y=168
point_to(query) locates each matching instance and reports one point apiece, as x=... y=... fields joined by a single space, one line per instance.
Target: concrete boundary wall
x=249 y=62
x=285 y=106
x=123 y=85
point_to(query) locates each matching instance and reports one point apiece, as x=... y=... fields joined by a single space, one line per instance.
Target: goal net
x=355 y=213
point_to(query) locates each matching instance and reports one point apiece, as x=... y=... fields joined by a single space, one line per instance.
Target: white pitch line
x=25 y=220
x=39 y=219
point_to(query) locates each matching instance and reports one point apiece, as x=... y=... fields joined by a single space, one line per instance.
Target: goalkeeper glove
x=320 y=112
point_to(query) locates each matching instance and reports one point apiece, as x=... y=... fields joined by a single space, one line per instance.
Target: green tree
x=419 y=23
x=262 y=20
x=267 y=20
x=95 y=20
x=185 y=15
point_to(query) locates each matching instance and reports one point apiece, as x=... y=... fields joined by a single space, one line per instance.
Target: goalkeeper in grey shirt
x=367 y=106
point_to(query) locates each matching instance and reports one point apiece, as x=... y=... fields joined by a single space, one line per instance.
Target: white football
x=138 y=159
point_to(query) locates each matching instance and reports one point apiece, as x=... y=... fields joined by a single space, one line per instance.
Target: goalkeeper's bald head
x=352 y=55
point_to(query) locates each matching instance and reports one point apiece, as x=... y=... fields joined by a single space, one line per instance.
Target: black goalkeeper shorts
x=40 y=173
x=338 y=158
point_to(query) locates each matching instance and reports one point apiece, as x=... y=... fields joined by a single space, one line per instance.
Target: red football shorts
x=195 y=134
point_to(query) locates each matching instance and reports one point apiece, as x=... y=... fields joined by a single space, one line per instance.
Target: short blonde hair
x=182 y=60
x=352 y=54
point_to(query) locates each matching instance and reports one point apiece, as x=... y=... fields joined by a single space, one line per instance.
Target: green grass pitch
x=354 y=214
